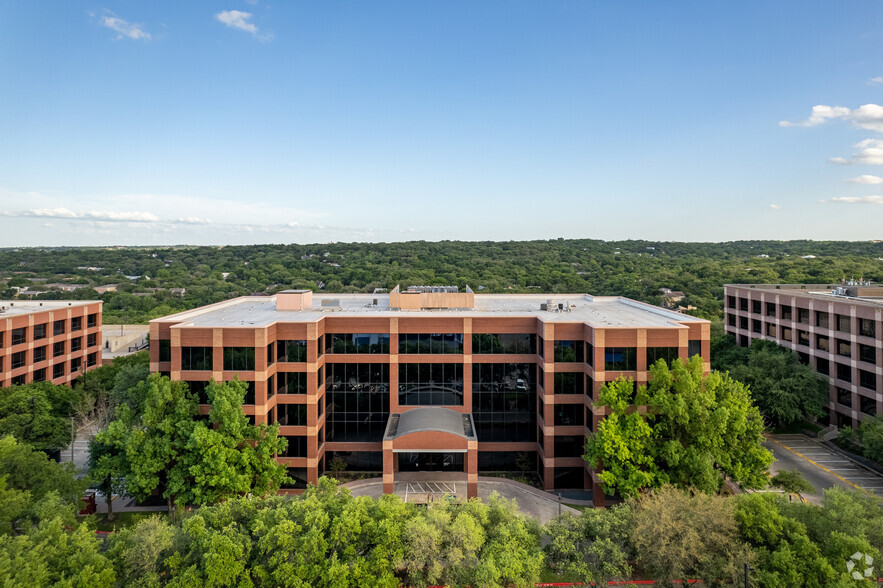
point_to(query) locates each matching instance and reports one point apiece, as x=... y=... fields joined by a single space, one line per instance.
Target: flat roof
x=596 y=311
x=11 y=308
x=827 y=292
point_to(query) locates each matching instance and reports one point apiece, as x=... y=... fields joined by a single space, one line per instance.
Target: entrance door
x=431 y=462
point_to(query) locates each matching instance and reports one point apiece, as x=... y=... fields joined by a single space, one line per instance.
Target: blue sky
x=255 y=122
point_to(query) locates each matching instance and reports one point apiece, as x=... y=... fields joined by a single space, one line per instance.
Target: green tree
x=38 y=414
x=792 y=481
x=622 y=444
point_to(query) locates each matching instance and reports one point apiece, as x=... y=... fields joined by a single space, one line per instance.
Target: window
x=569 y=351
x=200 y=391
x=867 y=379
x=504 y=401
x=569 y=477
x=743 y=304
x=430 y=343
x=541 y=347
x=569 y=383
x=867 y=405
x=803 y=357
x=75 y=364
x=771 y=309
x=731 y=320
x=620 y=359
x=249 y=394
x=19 y=336
x=786 y=333
x=271 y=386
x=568 y=415
x=822 y=319
x=755 y=306
x=731 y=302
x=320 y=345
x=39 y=332
x=823 y=366
x=844 y=372
x=368 y=461
x=432 y=384
x=822 y=343
x=91 y=359
x=483 y=343
x=58 y=349
x=867 y=353
x=58 y=371
x=666 y=354
x=569 y=445
x=844 y=397
x=844 y=348
x=92 y=341
x=92 y=320
x=743 y=322
x=291 y=351
x=866 y=327
x=39 y=375
x=590 y=387
x=357 y=401
x=291 y=415
x=297 y=447
x=590 y=355
x=165 y=349
x=755 y=326
x=843 y=323
x=196 y=359
x=356 y=343
x=297 y=478
x=76 y=344
x=803 y=338
x=785 y=312
x=76 y=324
x=58 y=327
x=271 y=354
x=17 y=360
x=39 y=354
x=291 y=382
x=239 y=359
x=694 y=347
x=771 y=330
x=803 y=316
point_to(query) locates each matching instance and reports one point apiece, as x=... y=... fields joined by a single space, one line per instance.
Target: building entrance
x=431 y=462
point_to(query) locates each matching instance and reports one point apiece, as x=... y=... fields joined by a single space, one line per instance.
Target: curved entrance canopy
x=430 y=419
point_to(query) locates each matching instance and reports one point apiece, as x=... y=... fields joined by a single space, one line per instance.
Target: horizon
x=252 y=122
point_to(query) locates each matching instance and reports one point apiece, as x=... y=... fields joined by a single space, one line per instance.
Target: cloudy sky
x=255 y=122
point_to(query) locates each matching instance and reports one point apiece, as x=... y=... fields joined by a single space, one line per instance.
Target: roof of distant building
x=12 y=308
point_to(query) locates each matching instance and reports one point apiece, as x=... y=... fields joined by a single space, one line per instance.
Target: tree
x=678 y=535
x=38 y=414
x=592 y=547
x=792 y=481
x=622 y=444
x=138 y=551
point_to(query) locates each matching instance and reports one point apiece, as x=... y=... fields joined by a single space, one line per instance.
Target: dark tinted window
x=483 y=343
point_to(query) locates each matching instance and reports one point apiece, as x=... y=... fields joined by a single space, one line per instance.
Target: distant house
x=178 y=291
x=66 y=287
x=670 y=297
x=107 y=288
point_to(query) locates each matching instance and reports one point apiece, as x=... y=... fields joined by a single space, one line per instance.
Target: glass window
x=541 y=347
x=291 y=351
x=39 y=332
x=755 y=306
x=666 y=354
x=58 y=370
x=504 y=401
x=196 y=359
x=590 y=354
x=771 y=309
x=569 y=415
x=92 y=341
x=569 y=445
x=569 y=477
x=743 y=304
x=360 y=461
x=484 y=343
x=844 y=323
x=165 y=349
x=76 y=344
x=590 y=386
x=75 y=365
x=91 y=359
x=755 y=326
x=297 y=446
x=357 y=401
x=92 y=320
x=867 y=353
x=19 y=336
x=822 y=343
x=76 y=324
x=694 y=347
x=867 y=405
x=239 y=359
x=844 y=372
x=786 y=333
x=743 y=322
x=39 y=354
x=785 y=312
x=823 y=366
x=771 y=329
x=58 y=348
x=844 y=348
x=291 y=415
x=297 y=478
x=569 y=351
x=199 y=390
x=731 y=302
x=803 y=338
x=271 y=354
x=822 y=319
x=58 y=327
x=620 y=359
x=18 y=360
x=39 y=375
x=357 y=343
x=249 y=394
x=569 y=383
x=803 y=315
x=291 y=382
x=431 y=384
x=844 y=396
x=866 y=327
x=430 y=343
x=867 y=379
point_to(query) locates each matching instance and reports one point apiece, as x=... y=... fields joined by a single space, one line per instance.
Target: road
x=823 y=467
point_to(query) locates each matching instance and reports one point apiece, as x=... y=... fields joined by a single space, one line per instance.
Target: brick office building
x=54 y=340
x=426 y=379
x=836 y=329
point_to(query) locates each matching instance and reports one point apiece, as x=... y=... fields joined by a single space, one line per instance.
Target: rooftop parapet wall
x=410 y=300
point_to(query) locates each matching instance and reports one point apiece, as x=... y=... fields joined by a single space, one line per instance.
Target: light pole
x=748 y=568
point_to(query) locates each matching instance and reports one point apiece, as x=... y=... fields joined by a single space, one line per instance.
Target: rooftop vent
x=330 y=304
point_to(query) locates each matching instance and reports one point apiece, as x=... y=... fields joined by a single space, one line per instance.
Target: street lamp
x=748 y=568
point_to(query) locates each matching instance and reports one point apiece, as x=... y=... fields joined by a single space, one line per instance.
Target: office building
x=834 y=328
x=430 y=378
x=48 y=340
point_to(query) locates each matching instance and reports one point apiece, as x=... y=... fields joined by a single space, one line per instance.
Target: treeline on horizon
x=636 y=269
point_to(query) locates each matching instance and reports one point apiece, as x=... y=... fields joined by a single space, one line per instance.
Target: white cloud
x=839 y=161
x=193 y=220
x=239 y=19
x=776 y=206
x=124 y=28
x=866 y=179
x=867 y=116
x=97 y=215
x=877 y=80
x=859 y=199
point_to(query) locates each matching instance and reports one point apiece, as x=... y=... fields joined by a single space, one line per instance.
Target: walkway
x=821 y=465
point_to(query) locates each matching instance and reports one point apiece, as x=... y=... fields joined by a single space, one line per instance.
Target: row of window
x=59 y=327
x=59 y=370
x=839 y=322
x=38 y=354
